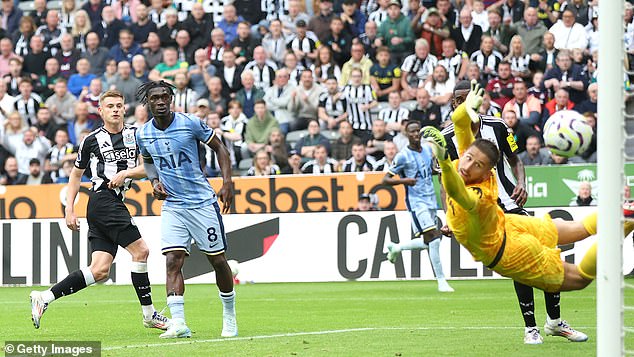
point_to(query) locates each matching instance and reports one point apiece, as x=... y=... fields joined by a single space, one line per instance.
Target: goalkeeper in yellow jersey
x=519 y=247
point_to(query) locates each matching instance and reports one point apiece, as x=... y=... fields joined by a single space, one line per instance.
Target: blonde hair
x=76 y=31
x=113 y=93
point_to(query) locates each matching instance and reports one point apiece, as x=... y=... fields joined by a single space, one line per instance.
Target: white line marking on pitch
x=308 y=333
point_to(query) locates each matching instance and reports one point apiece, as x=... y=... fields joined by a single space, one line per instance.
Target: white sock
x=176 y=303
x=554 y=322
x=434 y=257
x=148 y=311
x=48 y=296
x=416 y=243
x=228 y=301
x=90 y=279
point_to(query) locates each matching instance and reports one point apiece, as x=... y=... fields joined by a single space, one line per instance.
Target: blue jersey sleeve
x=141 y=146
x=201 y=131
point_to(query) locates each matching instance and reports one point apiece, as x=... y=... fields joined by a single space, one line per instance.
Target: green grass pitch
x=402 y=318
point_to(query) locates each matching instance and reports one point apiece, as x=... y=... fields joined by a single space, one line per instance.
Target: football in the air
x=567 y=134
x=234 y=266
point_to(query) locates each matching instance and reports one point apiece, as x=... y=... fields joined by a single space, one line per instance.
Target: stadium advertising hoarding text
x=276 y=194
x=292 y=247
x=546 y=186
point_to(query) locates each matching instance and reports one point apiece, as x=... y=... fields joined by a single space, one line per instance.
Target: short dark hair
x=145 y=88
x=462 y=85
x=259 y=101
x=35 y=161
x=411 y=122
x=489 y=149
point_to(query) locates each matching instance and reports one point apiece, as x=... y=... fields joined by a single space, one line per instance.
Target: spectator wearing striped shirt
x=304 y=45
x=321 y=164
x=394 y=114
x=184 y=97
x=416 y=69
x=390 y=150
x=361 y=98
x=359 y=161
x=263 y=68
x=456 y=62
x=262 y=165
x=333 y=106
x=487 y=58
x=27 y=103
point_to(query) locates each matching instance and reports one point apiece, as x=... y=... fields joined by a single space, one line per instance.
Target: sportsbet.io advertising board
x=282 y=247
x=549 y=186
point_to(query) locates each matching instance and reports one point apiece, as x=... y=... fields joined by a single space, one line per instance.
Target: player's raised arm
x=452 y=182
x=464 y=115
x=224 y=160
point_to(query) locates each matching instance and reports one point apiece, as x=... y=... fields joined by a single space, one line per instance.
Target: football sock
x=228 y=301
x=527 y=303
x=588 y=266
x=416 y=243
x=552 y=305
x=552 y=322
x=141 y=283
x=434 y=257
x=74 y=282
x=176 y=303
x=590 y=223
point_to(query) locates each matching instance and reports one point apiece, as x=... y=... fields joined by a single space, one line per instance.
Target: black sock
x=552 y=305
x=527 y=303
x=71 y=284
x=142 y=287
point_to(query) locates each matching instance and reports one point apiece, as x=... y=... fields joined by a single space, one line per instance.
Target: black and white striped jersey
x=107 y=154
x=383 y=165
x=418 y=69
x=185 y=99
x=391 y=115
x=378 y=16
x=274 y=9
x=264 y=75
x=520 y=64
x=307 y=45
x=334 y=108
x=56 y=156
x=496 y=130
x=313 y=167
x=352 y=166
x=453 y=64
x=356 y=97
x=28 y=108
x=491 y=60
x=215 y=55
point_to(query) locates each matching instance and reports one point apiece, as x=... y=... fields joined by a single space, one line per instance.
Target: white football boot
x=177 y=329
x=38 y=307
x=532 y=336
x=562 y=329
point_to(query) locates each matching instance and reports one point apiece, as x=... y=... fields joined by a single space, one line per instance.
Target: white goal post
x=610 y=160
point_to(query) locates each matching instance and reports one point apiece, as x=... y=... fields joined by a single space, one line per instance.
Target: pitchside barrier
x=276 y=247
x=550 y=186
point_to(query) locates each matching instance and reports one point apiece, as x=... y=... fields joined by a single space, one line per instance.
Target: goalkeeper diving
x=519 y=247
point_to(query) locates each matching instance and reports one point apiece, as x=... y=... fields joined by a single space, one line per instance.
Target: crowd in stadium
x=292 y=86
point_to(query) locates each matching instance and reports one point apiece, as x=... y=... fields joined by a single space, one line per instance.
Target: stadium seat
x=245 y=164
x=26 y=6
x=332 y=135
x=409 y=105
x=294 y=136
